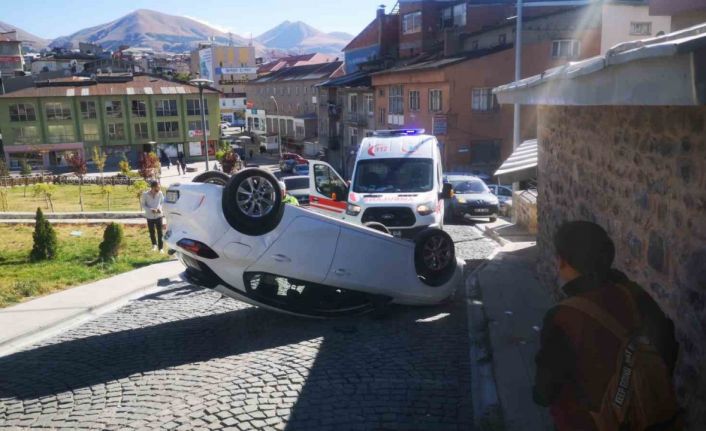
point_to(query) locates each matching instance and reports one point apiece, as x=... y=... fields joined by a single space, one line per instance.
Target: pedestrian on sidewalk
x=152 y=201
x=609 y=327
x=181 y=162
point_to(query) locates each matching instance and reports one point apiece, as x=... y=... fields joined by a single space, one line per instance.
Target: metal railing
x=58 y=139
x=91 y=137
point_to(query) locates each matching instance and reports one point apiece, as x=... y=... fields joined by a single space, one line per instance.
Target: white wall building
x=625 y=22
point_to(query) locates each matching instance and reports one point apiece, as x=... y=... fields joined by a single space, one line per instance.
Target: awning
x=521 y=165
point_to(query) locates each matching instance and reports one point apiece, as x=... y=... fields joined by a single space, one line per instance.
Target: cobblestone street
x=185 y=359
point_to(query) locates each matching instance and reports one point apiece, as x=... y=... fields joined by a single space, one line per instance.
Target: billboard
x=206 y=64
x=236 y=70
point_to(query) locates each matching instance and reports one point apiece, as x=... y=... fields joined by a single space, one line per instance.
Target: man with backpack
x=608 y=351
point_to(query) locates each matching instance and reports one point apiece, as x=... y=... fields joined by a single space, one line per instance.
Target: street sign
x=440 y=125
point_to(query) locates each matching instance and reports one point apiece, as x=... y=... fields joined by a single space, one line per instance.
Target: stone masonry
x=640 y=172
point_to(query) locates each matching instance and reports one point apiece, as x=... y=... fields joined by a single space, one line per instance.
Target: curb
x=486 y=403
x=12 y=345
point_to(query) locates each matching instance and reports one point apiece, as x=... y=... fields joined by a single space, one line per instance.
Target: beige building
x=229 y=67
x=625 y=21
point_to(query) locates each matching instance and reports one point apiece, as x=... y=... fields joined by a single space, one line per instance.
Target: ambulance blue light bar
x=398 y=132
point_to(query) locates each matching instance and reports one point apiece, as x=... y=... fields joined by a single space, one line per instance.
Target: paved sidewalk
x=514 y=304
x=30 y=321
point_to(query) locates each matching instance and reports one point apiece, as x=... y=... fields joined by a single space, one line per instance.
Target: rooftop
x=105 y=86
x=307 y=72
x=664 y=70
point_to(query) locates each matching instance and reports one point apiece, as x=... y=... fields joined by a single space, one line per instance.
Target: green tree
x=107 y=192
x=124 y=166
x=79 y=168
x=139 y=187
x=25 y=170
x=99 y=158
x=112 y=241
x=45 y=242
x=45 y=190
x=4 y=174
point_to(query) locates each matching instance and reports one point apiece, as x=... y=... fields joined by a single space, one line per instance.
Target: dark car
x=472 y=199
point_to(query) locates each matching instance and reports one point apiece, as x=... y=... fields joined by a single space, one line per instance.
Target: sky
x=52 y=18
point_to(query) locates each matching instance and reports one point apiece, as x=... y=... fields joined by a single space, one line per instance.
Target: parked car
x=240 y=240
x=289 y=160
x=504 y=194
x=298 y=186
x=472 y=199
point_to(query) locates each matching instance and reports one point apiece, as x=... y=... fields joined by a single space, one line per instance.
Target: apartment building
x=123 y=115
x=11 y=59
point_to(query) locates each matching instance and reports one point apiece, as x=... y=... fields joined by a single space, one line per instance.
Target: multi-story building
x=284 y=103
x=11 y=59
x=229 y=67
x=123 y=115
x=624 y=21
x=683 y=13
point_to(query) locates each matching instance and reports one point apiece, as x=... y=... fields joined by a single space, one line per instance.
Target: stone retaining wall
x=640 y=172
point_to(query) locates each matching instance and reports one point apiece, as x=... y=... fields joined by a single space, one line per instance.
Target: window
x=483 y=100
x=116 y=132
x=90 y=132
x=454 y=16
x=114 y=109
x=26 y=135
x=352 y=103
x=641 y=28
x=414 y=102
x=88 y=110
x=502 y=39
x=394 y=175
x=289 y=91
x=61 y=133
x=412 y=22
x=435 y=102
x=166 y=108
x=485 y=152
x=396 y=100
x=569 y=48
x=139 y=108
x=370 y=105
x=193 y=106
x=168 y=129
x=195 y=126
x=381 y=93
x=22 y=112
x=327 y=182
x=141 y=131
x=296 y=91
x=354 y=137
x=57 y=111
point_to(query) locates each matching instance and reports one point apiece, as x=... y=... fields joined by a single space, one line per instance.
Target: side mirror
x=447 y=191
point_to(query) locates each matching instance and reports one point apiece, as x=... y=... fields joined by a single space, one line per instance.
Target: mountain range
x=176 y=34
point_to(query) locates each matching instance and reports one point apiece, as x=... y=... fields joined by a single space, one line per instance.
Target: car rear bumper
x=476 y=211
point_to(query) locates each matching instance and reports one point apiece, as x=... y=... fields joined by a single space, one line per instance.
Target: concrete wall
x=640 y=172
x=524 y=207
x=617 y=19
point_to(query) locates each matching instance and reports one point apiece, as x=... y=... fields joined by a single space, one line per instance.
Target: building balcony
x=27 y=140
x=357 y=119
x=58 y=139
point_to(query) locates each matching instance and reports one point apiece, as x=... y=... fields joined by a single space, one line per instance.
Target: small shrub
x=99 y=159
x=45 y=242
x=139 y=187
x=229 y=162
x=107 y=192
x=112 y=241
x=45 y=190
x=149 y=165
x=124 y=166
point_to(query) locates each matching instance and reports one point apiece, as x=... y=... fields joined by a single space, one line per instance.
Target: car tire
x=434 y=256
x=212 y=177
x=253 y=216
x=377 y=226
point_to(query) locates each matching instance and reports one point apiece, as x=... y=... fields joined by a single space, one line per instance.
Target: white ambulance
x=397 y=182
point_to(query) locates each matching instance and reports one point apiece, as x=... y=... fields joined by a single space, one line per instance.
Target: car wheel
x=252 y=202
x=377 y=226
x=212 y=177
x=434 y=256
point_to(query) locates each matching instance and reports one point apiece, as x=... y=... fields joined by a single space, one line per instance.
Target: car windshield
x=297 y=183
x=394 y=176
x=470 y=186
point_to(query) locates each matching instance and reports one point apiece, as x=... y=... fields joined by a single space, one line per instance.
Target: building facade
x=122 y=115
x=629 y=21
x=288 y=99
x=11 y=59
x=229 y=67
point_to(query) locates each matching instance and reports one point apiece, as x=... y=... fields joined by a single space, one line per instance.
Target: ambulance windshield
x=394 y=175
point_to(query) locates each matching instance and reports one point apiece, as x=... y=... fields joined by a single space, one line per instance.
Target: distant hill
x=299 y=36
x=149 y=29
x=31 y=41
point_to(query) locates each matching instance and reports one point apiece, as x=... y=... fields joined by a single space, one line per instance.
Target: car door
x=327 y=190
x=303 y=251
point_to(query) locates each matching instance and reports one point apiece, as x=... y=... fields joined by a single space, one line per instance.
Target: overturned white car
x=235 y=236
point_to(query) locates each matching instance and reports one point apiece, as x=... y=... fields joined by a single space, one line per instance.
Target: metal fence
x=65 y=179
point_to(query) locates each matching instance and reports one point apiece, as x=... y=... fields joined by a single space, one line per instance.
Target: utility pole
x=518 y=75
x=201 y=83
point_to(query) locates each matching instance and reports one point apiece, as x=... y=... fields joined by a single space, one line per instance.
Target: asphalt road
x=186 y=359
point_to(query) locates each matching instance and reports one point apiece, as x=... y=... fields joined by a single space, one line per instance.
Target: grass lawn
x=65 y=199
x=21 y=279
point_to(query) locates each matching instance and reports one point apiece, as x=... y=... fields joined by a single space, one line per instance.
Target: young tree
x=112 y=241
x=107 y=192
x=99 y=158
x=25 y=170
x=79 y=168
x=4 y=174
x=149 y=166
x=45 y=190
x=45 y=242
x=124 y=166
x=139 y=187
